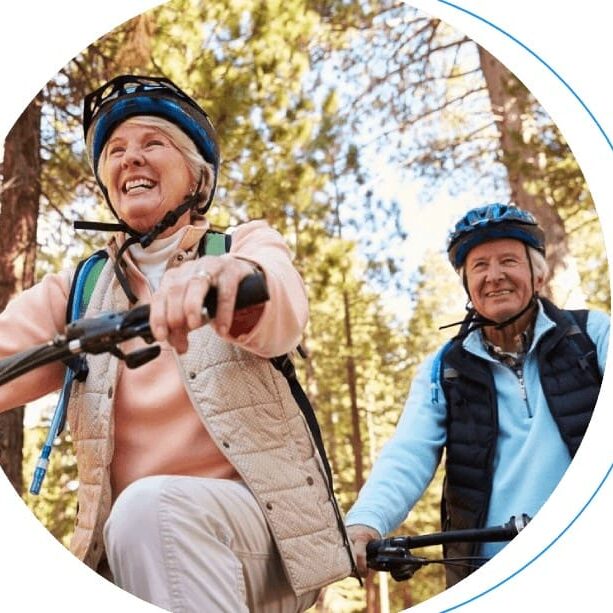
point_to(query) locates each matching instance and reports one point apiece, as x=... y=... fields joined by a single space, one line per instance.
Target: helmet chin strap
x=474 y=321
x=144 y=239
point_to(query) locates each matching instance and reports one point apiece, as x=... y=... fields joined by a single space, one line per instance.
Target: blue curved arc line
x=540 y=59
x=608 y=140
x=538 y=555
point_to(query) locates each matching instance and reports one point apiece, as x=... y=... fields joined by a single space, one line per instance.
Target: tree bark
x=372 y=604
x=19 y=198
x=356 y=434
x=509 y=99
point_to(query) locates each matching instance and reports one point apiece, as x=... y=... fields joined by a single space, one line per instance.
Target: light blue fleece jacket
x=530 y=455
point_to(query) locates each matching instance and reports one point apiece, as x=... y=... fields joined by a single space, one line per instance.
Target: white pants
x=196 y=545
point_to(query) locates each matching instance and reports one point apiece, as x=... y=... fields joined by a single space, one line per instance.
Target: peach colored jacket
x=131 y=423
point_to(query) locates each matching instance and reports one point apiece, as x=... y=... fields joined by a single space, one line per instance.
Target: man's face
x=499 y=279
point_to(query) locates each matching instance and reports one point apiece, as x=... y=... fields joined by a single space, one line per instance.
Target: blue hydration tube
x=54 y=429
x=59 y=415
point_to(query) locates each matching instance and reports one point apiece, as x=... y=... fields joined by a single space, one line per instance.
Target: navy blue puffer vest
x=570 y=378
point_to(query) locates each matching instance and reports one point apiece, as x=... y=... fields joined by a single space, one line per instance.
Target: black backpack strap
x=577 y=333
x=580 y=316
x=218 y=243
x=286 y=367
x=575 y=323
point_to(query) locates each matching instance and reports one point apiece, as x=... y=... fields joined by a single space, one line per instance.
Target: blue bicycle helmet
x=126 y=96
x=490 y=222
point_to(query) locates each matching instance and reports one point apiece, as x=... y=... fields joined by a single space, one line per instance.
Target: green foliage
x=560 y=182
x=377 y=351
x=297 y=90
x=439 y=300
x=585 y=239
x=439 y=297
x=248 y=73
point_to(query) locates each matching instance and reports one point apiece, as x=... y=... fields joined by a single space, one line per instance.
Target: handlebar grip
x=372 y=547
x=15 y=365
x=101 y=333
x=251 y=290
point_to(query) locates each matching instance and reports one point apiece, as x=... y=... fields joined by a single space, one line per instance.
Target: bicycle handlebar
x=25 y=361
x=394 y=555
x=104 y=332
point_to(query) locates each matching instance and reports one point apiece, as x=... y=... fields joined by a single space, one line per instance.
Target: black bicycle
x=394 y=555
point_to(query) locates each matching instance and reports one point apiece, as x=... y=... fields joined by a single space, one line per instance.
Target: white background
x=38 y=38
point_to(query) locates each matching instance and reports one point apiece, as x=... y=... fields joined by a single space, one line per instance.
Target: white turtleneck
x=152 y=260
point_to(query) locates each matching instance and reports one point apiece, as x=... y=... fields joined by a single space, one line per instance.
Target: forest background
x=359 y=131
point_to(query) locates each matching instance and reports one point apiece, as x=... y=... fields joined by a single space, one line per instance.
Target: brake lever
x=397 y=561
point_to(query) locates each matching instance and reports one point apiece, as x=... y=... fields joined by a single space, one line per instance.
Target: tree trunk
x=352 y=384
x=136 y=50
x=372 y=604
x=20 y=197
x=11 y=447
x=509 y=99
x=356 y=434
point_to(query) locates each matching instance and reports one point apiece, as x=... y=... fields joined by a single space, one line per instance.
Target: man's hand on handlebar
x=360 y=535
x=176 y=308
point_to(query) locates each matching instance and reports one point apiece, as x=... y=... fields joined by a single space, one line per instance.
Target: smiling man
x=508 y=399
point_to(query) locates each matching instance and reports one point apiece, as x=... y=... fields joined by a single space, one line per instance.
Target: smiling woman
x=178 y=463
x=146 y=175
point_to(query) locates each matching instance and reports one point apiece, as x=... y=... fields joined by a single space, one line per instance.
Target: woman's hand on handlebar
x=360 y=535
x=176 y=308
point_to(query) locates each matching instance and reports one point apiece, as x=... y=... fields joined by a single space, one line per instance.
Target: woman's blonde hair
x=195 y=162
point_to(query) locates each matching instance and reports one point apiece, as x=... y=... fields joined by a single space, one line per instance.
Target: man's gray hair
x=540 y=268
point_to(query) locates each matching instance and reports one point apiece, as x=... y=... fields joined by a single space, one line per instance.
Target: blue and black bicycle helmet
x=490 y=222
x=127 y=96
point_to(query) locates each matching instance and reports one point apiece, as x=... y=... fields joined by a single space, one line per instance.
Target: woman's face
x=145 y=175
